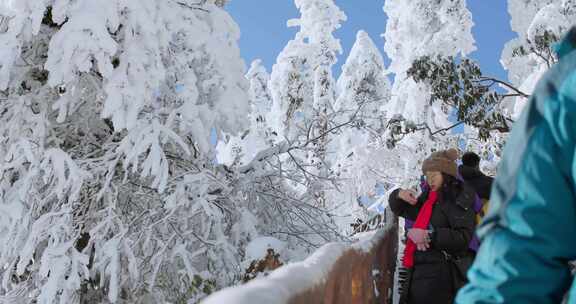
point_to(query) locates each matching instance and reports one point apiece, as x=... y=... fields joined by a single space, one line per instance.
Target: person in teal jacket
x=529 y=235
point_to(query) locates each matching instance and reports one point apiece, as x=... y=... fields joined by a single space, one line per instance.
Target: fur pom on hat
x=442 y=161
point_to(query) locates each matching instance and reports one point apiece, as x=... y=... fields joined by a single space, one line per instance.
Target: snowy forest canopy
x=141 y=162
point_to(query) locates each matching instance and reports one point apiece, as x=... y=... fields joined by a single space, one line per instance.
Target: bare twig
x=504 y=83
x=447 y=128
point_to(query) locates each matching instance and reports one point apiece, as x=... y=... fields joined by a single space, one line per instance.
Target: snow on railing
x=362 y=272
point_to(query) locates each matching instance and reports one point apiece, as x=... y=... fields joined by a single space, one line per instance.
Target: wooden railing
x=337 y=273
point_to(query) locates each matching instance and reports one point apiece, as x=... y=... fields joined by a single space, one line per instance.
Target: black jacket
x=477 y=180
x=432 y=278
x=452 y=221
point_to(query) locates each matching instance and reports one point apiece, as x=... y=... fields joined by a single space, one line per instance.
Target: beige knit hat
x=443 y=161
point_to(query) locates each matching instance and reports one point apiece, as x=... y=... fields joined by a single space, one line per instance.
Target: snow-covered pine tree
x=363 y=90
x=242 y=148
x=287 y=179
x=417 y=28
x=107 y=185
x=291 y=85
x=303 y=87
x=260 y=96
x=414 y=29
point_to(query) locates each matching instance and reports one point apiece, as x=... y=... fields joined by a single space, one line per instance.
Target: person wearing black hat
x=470 y=172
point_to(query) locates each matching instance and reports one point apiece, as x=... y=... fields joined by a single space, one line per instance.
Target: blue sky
x=264 y=31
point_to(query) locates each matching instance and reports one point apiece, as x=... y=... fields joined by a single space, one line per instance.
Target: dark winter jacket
x=477 y=180
x=452 y=222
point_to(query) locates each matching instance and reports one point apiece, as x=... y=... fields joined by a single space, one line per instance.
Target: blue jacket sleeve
x=529 y=234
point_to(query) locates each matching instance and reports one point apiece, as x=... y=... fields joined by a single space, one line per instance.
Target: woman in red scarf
x=436 y=252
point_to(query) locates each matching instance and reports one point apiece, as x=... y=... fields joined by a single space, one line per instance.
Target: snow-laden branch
x=286 y=147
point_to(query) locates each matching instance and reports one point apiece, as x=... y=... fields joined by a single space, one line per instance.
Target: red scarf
x=422 y=222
